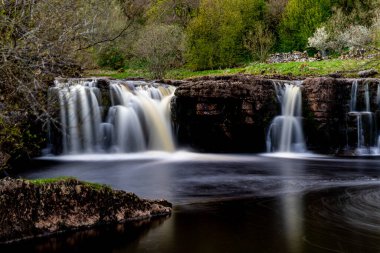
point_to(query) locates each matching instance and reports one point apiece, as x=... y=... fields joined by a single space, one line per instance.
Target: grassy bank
x=348 y=68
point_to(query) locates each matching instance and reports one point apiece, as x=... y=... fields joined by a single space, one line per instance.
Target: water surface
x=228 y=203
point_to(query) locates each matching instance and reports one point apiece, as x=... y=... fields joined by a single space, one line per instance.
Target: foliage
x=300 y=19
x=356 y=36
x=41 y=40
x=259 y=42
x=161 y=47
x=215 y=36
x=212 y=35
x=341 y=32
x=320 y=39
x=376 y=30
x=111 y=57
x=178 y=12
x=273 y=16
x=359 y=11
x=19 y=138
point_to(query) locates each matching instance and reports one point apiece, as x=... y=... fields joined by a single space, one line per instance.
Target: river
x=227 y=203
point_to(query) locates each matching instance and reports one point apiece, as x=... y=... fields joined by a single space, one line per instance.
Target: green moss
x=97 y=186
x=42 y=181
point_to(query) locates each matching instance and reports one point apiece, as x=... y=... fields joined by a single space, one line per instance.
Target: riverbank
x=38 y=208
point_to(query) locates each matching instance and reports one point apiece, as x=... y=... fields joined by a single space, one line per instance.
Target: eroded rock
x=224 y=113
x=28 y=209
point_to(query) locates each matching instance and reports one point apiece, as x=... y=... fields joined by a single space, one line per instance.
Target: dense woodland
x=44 y=39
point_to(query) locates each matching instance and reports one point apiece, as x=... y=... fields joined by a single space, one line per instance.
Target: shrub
x=300 y=19
x=111 y=57
x=259 y=42
x=161 y=47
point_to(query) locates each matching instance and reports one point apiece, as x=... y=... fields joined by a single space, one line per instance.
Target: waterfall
x=354 y=95
x=365 y=122
x=285 y=133
x=134 y=117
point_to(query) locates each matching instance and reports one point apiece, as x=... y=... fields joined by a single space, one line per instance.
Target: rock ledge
x=28 y=210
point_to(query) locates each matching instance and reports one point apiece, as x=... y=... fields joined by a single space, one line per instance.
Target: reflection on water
x=231 y=203
x=292 y=209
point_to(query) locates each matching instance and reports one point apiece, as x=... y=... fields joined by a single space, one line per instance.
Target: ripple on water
x=357 y=205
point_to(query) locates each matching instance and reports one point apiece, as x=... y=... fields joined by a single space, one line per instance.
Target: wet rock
x=368 y=73
x=224 y=113
x=327 y=124
x=335 y=75
x=233 y=113
x=28 y=210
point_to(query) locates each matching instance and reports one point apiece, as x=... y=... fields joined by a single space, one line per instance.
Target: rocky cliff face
x=233 y=113
x=224 y=114
x=329 y=125
x=29 y=209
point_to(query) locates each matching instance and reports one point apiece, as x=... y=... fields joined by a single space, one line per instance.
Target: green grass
x=42 y=181
x=348 y=68
x=316 y=68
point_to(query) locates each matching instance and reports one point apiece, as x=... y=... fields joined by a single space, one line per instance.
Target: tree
x=178 y=12
x=214 y=35
x=161 y=47
x=300 y=19
x=343 y=31
x=361 y=12
x=259 y=42
x=41 y=40
x=320 y=40
x=275 y=10
x=376 y=30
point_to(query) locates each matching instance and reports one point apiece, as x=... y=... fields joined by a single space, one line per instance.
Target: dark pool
x=228 y=203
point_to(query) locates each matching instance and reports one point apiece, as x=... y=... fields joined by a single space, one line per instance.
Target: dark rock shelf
x=28 y=209
x=233 y=113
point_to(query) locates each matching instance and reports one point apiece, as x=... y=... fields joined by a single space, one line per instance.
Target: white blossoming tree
x=320 y=40
x=354 y=37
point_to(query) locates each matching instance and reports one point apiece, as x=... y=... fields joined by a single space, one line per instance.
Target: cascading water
x=285 y=133
x=366 y=136
x=134 y=116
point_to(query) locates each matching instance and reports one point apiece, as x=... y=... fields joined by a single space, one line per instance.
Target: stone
x=29 y=210
x=224 y=113
x=246 y=106
x=289 y=57
x=368 y=73
x=335 y=75
x=326 y=108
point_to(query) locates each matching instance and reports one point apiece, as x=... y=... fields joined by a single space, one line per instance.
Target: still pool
x=227 y=203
